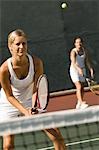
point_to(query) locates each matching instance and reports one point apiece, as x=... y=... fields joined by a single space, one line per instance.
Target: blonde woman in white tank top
x=18 y=77
x=79 y=59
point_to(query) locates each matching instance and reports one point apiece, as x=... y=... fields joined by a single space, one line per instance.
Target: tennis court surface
x=80 y=128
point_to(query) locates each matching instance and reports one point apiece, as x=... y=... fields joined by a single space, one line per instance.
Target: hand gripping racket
x=93 y=86
x=42 y=96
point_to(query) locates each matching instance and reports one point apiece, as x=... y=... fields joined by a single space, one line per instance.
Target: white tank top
x=80 y=59
x=22 y=89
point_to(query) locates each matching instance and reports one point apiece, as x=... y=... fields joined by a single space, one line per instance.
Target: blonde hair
x=11 y=36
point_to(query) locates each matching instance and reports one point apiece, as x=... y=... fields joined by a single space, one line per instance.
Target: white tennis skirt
x=7 y=111
x=75 y=76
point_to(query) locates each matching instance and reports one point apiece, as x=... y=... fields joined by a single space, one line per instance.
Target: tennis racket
x=93 y=86
x=42 y=96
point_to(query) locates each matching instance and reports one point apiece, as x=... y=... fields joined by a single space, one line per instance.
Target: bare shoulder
x=38 y=64
x=37 y=61
x=4 y=72
x=86 y=52
x=4 y=68
x=73 y=51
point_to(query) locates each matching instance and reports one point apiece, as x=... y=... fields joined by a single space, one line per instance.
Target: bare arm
x=88 y=60
x=38 y=65
x=73 y=58
x=89 y=63
x=5 y=83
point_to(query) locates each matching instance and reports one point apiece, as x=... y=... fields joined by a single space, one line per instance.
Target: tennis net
x=80 y=129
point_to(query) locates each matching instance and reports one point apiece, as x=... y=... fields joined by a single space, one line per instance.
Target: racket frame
x=89 y=81
x=37 y=102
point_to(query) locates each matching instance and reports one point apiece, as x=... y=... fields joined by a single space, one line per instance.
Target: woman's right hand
x=28 y=112
x=80 y=72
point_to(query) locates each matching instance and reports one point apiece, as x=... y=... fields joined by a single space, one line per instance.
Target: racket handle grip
x=34 y=109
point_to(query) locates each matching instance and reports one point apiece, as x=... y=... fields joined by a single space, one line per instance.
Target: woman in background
x=79 y=60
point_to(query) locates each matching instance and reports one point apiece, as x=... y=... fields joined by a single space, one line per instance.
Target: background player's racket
x=42 y=97
x=93 y=86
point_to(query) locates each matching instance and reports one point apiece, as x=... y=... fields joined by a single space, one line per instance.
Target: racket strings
x=94 y=87
x=42 y=92
x=42 y=89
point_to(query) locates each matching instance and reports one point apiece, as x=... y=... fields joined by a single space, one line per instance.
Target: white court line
x=73 y=143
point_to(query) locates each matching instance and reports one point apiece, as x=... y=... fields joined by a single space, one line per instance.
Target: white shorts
x=75 y=76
